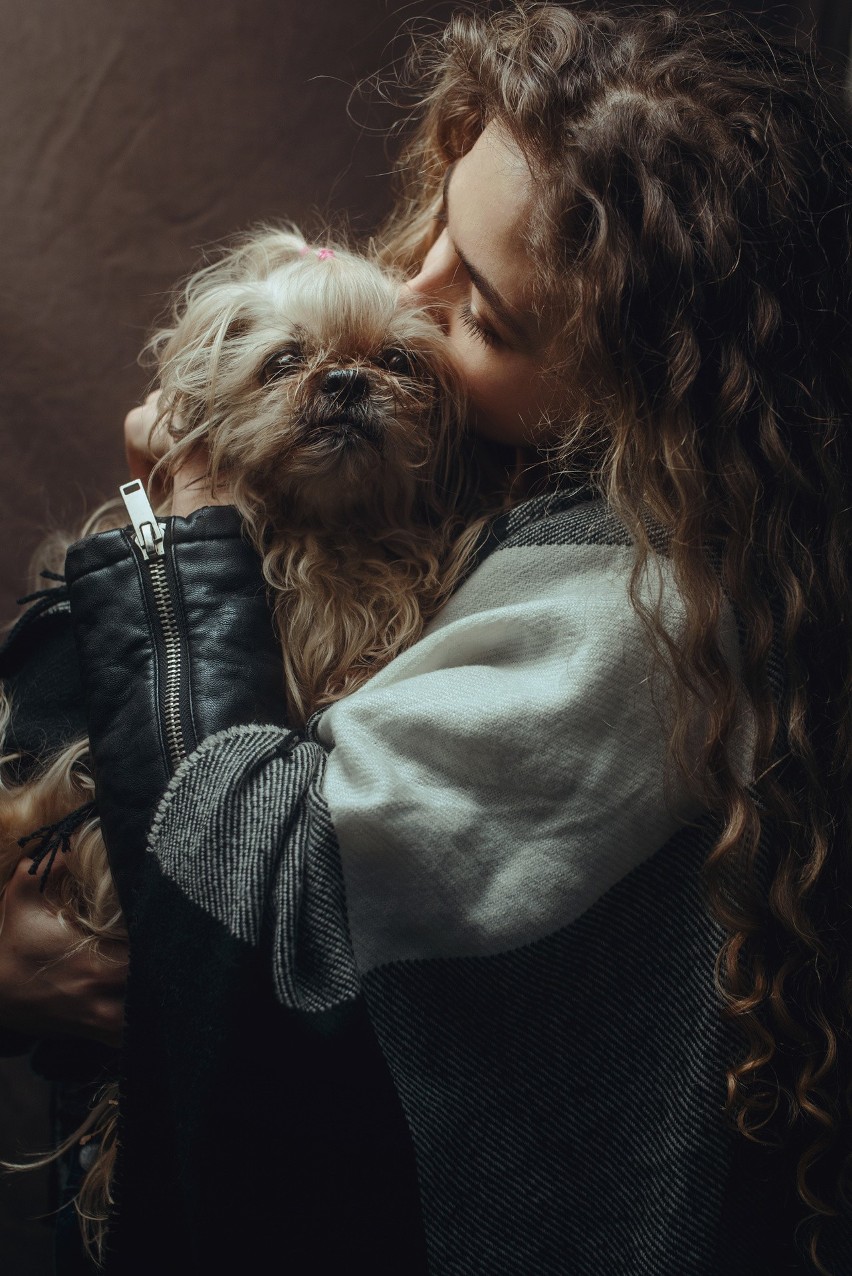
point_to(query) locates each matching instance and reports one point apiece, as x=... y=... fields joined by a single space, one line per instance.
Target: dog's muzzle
x=343 y=404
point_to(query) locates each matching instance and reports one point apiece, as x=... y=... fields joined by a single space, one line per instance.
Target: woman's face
x=479 y=271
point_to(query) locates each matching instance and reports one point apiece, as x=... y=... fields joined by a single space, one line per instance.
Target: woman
x=534 y=954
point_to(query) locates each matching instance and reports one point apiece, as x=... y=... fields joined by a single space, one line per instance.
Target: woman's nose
x=415 y=285
x=424 y=285
x=435 y=278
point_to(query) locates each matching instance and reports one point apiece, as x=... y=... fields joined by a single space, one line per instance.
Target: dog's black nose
x=348 y=385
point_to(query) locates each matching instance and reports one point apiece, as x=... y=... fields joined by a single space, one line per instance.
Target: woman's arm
x=526 y=711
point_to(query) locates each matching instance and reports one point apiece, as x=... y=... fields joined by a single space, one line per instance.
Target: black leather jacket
x=172 y=650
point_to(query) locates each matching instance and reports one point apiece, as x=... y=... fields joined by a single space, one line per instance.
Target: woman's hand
x=46 y=989
x=145 y=442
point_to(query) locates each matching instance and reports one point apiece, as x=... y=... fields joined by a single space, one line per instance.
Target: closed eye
x=478 y=329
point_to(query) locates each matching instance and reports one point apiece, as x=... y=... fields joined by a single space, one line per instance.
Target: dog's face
x=319 y=382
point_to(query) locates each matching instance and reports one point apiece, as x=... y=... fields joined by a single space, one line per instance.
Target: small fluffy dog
x=325 y=398
x=331 y=413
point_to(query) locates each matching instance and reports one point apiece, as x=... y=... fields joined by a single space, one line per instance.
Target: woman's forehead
x=490 y=203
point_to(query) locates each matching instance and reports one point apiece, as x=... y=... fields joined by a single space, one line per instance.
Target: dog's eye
x=397 y=361
x=280 y=364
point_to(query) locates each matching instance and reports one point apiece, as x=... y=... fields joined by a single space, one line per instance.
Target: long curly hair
x=692 y=240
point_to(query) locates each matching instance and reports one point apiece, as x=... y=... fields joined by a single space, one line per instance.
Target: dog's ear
x=211 y=313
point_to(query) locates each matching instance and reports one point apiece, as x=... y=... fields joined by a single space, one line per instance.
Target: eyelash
x=477 y=329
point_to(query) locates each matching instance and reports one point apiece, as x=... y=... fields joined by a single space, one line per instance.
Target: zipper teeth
x=149 y=540
x=171 y=637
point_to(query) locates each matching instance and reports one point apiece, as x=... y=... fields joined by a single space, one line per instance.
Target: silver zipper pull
x=149 y=533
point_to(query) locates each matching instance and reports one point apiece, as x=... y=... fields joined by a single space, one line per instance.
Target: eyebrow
x=504 y=312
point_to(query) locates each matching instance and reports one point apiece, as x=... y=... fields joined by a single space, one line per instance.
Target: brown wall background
x=131 y=135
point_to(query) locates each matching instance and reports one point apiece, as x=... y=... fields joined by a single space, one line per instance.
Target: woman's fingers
x=49 y=985
x=145 y=441
x=144 y=444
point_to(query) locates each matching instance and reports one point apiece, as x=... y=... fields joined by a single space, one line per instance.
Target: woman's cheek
x=499 y=387
x=497 y=412
x=469 y=364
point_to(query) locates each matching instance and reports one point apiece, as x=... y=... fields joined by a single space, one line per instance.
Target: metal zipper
x=57 y=607
x=150 y=540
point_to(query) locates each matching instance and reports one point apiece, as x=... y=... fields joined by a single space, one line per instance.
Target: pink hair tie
x=322 y=253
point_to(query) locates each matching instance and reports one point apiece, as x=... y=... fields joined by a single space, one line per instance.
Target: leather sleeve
x=169 y=654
